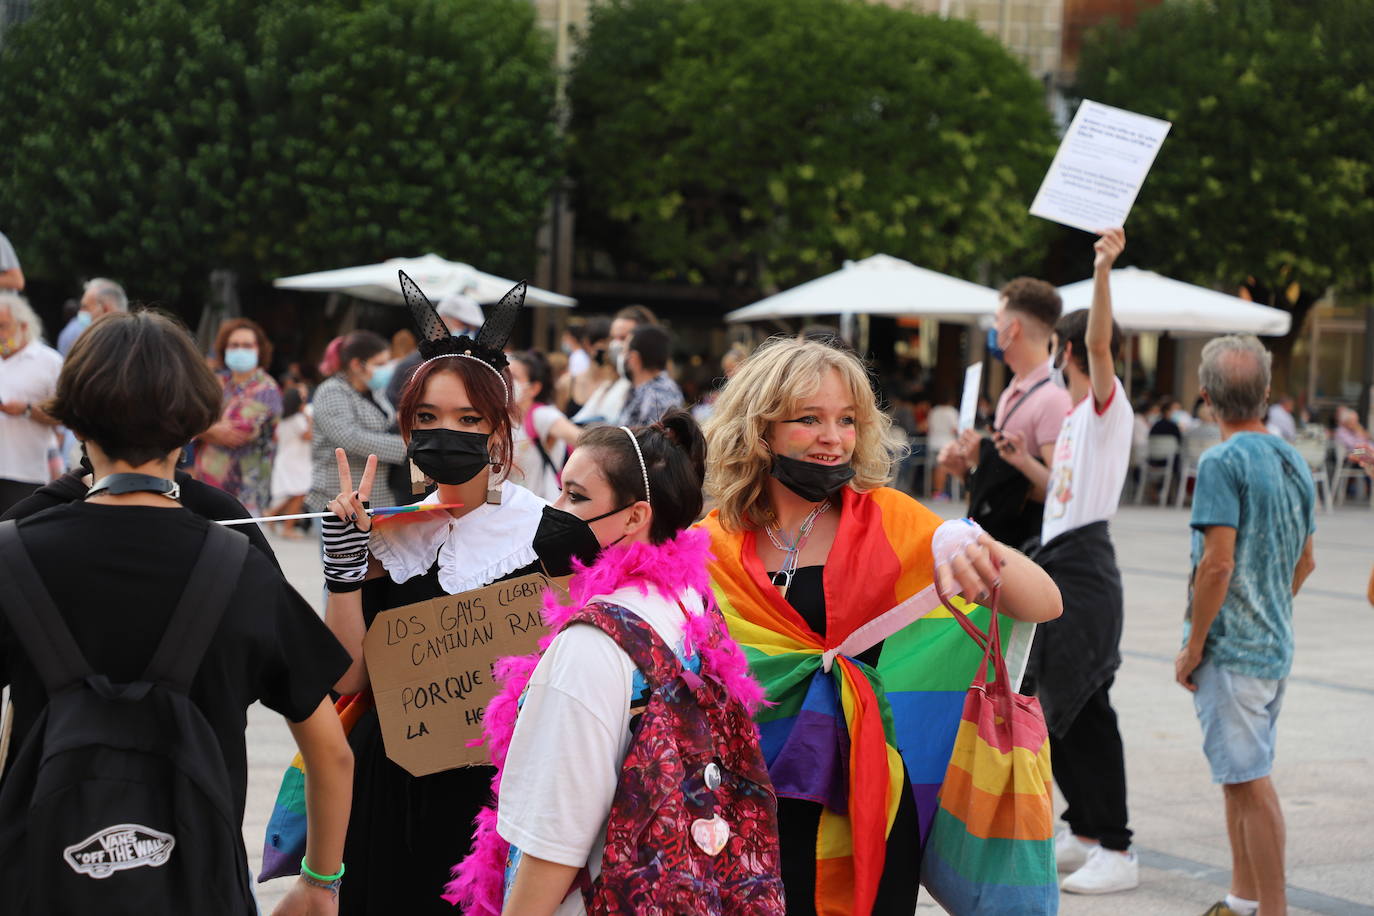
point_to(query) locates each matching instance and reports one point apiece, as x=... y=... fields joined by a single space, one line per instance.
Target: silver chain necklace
x=790 y=552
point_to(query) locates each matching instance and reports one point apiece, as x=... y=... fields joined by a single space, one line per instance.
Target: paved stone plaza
x=1325 y=770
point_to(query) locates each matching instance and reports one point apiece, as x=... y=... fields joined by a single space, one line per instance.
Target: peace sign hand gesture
x=346 y=534
x=351 y=505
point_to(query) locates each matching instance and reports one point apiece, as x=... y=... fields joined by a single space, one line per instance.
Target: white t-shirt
x=29 y=377
x=942 y=427
x=605 y=405
x=578 y=362
x=1091 y=456
x=291 y=467
x=570 y=740
x=531 y=471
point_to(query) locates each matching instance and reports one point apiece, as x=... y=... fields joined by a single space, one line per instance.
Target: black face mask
x=811 y=481
x=561 y=537
x=599 y=357
x=449 y=456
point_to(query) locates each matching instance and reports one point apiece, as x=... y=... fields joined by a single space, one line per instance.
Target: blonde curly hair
x=767 y=388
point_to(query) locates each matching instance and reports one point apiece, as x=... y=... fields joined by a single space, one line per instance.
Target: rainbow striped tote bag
x=284 y=845
x=991 y=846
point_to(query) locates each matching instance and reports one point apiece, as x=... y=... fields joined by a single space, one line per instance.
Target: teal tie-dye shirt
x=1259 y=485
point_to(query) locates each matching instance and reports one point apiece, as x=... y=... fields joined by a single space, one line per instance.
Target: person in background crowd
x=455 y=415
x=543 y=435
x=461 y=315
x=654 y=391
x=72 y=325
x=11 y=274
x=291 y=470
x=1002 y=499
x=1182 y=418
x=347 y=414
x=98 y=298
x=729 y=364
x=1352 y=438
x=1253 y=521
x=607 y=404
x=135 y=389
x=809 y=546
x=235 y=454
x=28 y=377
x=599 y=390
x=1166 y=422
x=1074 y=660
x=574 y=345
x=942 y=428
x=402 y=344
x=1280 y=421
x=639 y=491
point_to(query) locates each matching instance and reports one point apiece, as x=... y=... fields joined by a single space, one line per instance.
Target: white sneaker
x=1070 y=853
x=1105 y=872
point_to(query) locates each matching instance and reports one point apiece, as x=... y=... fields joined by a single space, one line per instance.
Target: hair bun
x=680 y=428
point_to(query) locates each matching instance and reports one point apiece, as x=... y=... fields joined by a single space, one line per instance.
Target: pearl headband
x=643 y=468
x=499 y=377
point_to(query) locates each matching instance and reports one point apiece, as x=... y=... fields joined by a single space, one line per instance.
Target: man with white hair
x=1252 y=549
x=100 y=297
x=28 y=378
x=11 y=274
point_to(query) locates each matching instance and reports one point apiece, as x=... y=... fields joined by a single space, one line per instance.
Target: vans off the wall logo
x=118 y=848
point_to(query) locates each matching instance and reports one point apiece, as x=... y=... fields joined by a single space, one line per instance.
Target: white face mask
x=1057 y=375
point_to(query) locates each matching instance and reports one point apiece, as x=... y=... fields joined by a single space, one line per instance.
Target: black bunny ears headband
x=488 y=349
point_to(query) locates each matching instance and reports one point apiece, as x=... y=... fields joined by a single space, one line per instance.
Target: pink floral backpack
x=693 y=824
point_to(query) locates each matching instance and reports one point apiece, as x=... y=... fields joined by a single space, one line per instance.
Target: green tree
x=747 y=143
x=1267 y=177
x=153 y=141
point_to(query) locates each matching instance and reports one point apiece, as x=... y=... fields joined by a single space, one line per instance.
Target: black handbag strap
x=49 y=643
x=200 y=609
x=1017 y=406
x=34 y=618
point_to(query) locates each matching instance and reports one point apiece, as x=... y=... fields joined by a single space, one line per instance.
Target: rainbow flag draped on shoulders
x=839 y=732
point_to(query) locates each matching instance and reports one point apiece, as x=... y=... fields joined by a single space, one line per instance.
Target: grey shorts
x=1239 y=716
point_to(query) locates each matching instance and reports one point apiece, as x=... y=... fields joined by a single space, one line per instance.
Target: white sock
x=1242 y=906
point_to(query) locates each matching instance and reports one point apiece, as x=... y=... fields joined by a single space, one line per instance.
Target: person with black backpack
x=134 y=635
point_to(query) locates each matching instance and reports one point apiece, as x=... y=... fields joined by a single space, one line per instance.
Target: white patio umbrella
x=433 y=274
x=1145 y=301
x=877 y=285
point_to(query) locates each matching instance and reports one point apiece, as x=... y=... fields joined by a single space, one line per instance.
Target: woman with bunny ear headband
x=455 y=416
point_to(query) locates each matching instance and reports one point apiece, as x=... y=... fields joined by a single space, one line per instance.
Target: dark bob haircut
x=674 y=455
x=135 y=385
x=485 y=394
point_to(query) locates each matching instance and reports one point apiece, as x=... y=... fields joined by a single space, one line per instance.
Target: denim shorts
x=1240 y=717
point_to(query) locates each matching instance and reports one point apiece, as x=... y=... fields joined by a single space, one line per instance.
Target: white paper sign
x=1100 y=166
x=968 y=407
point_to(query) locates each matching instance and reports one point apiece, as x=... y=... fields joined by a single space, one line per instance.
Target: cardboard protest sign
x=430 y=665
x=1099 y=168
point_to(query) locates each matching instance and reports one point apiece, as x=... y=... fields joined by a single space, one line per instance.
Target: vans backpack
x=693 y=825
x=118 y=800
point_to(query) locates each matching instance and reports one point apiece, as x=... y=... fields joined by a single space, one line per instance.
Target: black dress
x=406 y=832
x=799 y=821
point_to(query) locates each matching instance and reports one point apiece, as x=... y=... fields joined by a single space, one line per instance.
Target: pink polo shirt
x=1040 y=418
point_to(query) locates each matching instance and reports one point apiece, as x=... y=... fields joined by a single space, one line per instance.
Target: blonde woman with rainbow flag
x=828 y=581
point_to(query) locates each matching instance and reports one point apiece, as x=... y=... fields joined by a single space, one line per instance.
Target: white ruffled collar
x=473 y=551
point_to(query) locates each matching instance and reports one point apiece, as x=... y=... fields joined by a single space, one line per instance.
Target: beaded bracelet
x=329 y=883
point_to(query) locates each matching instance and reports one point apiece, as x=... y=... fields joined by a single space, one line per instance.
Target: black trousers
x=1090 y=767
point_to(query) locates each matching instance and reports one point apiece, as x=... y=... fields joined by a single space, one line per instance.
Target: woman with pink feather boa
x=562 y=727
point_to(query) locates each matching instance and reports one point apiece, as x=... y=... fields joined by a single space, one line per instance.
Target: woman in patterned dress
x=236 y=453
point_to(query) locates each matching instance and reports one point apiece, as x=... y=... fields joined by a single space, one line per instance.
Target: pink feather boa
x=478 y=884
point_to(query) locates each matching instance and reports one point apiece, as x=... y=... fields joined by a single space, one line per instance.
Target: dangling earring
x=418 y=481
x=494 y=493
